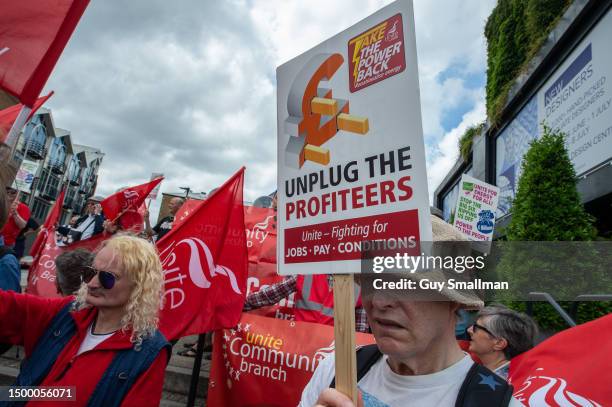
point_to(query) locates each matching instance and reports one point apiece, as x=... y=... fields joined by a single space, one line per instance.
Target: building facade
x=49 y=162
x=568 y=87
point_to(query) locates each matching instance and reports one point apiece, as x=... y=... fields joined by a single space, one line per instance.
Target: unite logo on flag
x=322 y=353
x=131 y=197
x=259 y=232
x=201 y=269
x=4 y=50
x=539 y=390
x=377 y=54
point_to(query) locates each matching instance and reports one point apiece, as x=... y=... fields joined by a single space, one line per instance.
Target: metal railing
x=538 y=296
x=569 y=318
x=57 y=167
x=587 y=297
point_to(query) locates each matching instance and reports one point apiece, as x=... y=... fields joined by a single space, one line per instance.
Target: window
x=57 y=157
x=40 y=209
x=35 y=138
x=74 y=170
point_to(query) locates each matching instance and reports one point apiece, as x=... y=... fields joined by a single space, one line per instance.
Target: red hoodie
x=23 y=320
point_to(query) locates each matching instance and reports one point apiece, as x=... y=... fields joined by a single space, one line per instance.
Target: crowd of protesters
x=110 y=304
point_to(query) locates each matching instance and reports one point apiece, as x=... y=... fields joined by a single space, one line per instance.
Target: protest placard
x=153 y=194
x=25 y=175
x=351 y=160
x=475 y=211
x=351 y=157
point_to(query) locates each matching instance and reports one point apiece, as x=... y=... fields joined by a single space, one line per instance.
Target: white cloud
x=442 y=158
x=188 y=88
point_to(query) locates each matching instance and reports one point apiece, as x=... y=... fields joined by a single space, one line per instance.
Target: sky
x=188 y=89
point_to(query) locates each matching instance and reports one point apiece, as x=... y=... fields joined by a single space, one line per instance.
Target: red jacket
x=10 y=231
x=314 y=300
x=24 y=318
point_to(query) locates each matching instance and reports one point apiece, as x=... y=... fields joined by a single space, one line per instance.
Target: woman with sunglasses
x=106 y=343
x=498 y=335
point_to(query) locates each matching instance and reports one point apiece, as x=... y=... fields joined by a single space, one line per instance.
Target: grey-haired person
x=499 y=334
x=416 y=360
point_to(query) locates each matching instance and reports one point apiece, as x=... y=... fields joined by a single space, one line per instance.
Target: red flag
x=8 y=115
x=570 y=368
x=49 y=225
x=185 y=210
x=260 y=229
x=205 y=265
x=34 y=34
x=131 y=220
x=128 y=199
x=41 y=277
x=268 y=362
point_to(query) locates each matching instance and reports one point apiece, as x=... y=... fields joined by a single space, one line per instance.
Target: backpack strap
x=55 y=338
x=127 y=366
x=482 y=387
x=366 y=357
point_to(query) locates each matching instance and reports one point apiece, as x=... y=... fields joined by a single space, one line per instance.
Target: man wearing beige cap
x=416 y=360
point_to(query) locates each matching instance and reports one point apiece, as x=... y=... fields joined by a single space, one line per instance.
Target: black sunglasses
x=107 y=279
x=475 y=326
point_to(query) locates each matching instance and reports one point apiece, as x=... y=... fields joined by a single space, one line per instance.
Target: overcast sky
x=188 y=87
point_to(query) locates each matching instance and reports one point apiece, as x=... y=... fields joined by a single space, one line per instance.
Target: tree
x=547 y=208
x=547 y=205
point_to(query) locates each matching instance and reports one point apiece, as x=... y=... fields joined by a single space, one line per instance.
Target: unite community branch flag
x=205 y=265
x=270 y=360
x=260 y=230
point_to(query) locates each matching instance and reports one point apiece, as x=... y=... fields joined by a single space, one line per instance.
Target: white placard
x=155 y=191
x=351 y=156
x=25 y=175
x=476 y=207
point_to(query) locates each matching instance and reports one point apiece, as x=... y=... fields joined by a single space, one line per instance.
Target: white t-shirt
x=87 y=227
x=381 y=385
x=92 y=340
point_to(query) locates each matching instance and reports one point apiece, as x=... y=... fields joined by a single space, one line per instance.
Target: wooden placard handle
x=344 y=332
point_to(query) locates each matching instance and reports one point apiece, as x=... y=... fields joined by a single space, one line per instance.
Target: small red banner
x=268 y=360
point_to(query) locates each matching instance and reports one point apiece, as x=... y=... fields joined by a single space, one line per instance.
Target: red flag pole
x=20 y=121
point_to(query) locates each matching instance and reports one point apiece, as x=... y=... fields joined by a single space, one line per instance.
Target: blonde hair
x=140 y=262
